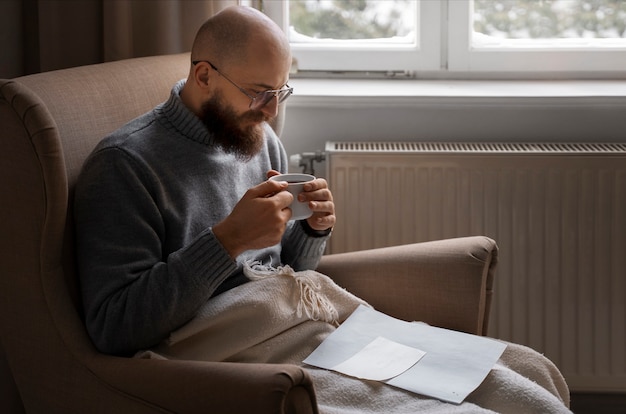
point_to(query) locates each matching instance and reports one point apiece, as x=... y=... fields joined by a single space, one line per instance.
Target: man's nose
x=271 y=108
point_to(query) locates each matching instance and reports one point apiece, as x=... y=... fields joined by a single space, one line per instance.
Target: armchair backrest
x=49 y=123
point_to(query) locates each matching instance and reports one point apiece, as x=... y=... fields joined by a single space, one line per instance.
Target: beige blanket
x=282 y=316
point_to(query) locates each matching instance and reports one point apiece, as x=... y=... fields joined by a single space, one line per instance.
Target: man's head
x=237 y=55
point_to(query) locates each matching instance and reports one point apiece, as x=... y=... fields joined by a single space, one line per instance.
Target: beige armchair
x=49 y=123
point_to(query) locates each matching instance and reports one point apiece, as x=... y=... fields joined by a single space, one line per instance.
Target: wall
x=587 y=111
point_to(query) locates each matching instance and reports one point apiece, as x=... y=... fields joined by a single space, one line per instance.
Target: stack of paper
x=436 y=362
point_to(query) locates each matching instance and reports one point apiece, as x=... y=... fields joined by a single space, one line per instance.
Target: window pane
x=549 y=19
x=360 y=21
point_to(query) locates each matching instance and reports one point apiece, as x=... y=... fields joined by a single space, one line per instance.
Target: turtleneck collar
x=179 y=118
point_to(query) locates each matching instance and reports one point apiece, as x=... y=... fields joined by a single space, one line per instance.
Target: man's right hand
x=258 y=220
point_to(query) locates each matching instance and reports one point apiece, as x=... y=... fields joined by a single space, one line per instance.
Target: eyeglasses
x=261 y=99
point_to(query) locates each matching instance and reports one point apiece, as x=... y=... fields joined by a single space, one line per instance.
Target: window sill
x=376 y=92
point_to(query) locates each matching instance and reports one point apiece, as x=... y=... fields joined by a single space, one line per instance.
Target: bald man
x=169 y=207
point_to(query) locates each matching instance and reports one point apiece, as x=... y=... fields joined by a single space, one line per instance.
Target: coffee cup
x=295 y=186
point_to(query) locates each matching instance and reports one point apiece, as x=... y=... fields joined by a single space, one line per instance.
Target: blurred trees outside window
x=510 y=19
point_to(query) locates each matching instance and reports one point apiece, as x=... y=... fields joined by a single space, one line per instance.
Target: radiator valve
x=306 y=161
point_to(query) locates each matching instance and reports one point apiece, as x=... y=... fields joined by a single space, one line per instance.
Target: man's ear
x=204 y=78
x=201 y=75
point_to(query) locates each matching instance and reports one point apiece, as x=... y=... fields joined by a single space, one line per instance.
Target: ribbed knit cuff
x=309 y=245
x=208 y=261
x=312 y=232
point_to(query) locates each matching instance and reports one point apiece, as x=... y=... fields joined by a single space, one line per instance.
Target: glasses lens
x=263 y=98
x=284 y=94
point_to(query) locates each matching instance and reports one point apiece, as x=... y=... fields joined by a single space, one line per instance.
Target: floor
x=598 y=403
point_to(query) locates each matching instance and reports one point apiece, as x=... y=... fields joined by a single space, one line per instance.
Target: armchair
x=50 y=123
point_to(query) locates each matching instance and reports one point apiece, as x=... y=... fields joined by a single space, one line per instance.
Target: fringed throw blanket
x=281 y=316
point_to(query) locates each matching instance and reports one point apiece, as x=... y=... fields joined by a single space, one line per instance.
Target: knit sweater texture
x=144 y=207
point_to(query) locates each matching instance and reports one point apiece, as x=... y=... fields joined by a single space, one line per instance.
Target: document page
x=380 y=360
x=446 y=365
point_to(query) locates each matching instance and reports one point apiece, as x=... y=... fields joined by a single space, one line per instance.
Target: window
x=456 y=37
x=360 y=35
x=555 y=36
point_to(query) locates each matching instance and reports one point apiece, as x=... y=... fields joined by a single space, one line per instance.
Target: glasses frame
x=259 y=100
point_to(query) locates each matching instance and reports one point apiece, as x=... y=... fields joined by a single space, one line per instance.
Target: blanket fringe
x=312 y=302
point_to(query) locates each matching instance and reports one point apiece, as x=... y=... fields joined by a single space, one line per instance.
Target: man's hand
x=320 y=200
x=258 y=220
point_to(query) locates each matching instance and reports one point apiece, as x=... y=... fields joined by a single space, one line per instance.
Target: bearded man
x=169 y=207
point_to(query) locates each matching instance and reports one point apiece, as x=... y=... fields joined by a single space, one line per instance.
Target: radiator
x=557 y=212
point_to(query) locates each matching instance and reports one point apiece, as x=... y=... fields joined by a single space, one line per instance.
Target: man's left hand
x=320 y=200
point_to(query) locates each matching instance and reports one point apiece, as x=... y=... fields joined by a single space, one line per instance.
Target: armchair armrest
x=446 y=283
x=202 y=387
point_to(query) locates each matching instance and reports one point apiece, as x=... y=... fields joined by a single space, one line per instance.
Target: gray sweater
x=145 y=204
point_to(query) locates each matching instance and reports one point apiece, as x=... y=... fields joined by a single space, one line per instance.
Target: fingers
x=316 y=190
x=320 y=200
x=266 y=189
x=316 y=193
x=257 y=221
x=323 y=213
x=317 y=184
x=323 y=222
x=272 y=173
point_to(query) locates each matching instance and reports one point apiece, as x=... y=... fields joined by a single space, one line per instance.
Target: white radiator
x=557 y=212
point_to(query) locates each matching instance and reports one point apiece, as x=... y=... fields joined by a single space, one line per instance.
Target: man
x=169 y=207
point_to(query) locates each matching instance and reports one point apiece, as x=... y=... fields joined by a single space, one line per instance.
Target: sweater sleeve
x=133 y=296
x=300 y=249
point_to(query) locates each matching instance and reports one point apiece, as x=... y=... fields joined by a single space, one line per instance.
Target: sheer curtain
x=43 y=35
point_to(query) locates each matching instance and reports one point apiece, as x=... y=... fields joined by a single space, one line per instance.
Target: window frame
x=355 y=57
x=444 y=49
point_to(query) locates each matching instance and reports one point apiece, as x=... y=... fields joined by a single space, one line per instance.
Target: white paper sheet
x=454 y=365
x=380 y=360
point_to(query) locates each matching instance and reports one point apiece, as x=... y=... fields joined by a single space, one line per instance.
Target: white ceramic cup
x=296 y=182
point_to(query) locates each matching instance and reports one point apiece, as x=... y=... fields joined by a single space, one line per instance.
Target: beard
x=240 y=135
